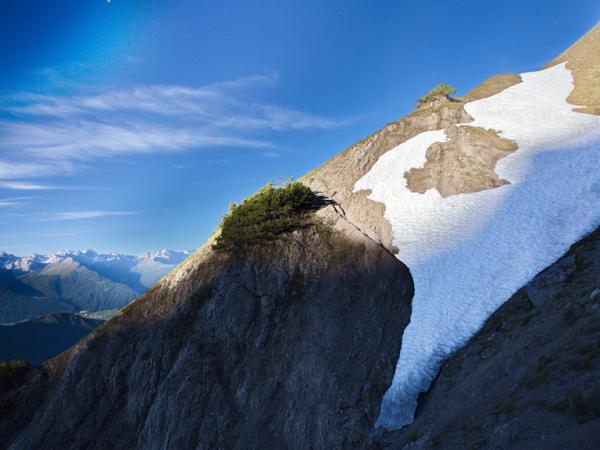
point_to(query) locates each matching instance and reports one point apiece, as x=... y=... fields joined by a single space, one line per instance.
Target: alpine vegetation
x=265 y=215
x=441 y=90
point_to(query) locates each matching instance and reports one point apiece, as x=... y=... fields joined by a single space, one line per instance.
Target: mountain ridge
x=88 y=256
x=79 y=280
x=292 y=344
x=38 y=340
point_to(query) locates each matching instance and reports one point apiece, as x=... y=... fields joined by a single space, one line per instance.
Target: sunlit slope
x=469 y=252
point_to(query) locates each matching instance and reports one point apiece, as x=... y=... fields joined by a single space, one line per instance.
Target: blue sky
x=131 y=125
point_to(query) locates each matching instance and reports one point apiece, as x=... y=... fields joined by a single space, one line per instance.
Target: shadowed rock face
x=529 y=378
x=463 y=164
x=289 y=345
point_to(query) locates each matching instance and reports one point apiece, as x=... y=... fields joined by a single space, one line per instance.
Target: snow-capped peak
x=167 y=256
x=90 y=257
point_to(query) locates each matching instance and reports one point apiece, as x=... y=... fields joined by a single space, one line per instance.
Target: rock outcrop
x=336 y=178
x=529 y=378
x=464 y=163
x=287 y=345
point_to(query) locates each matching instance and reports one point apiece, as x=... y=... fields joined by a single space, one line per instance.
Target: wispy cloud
x=4 y=203
x=78 y=215
x=11 y=169
x=14 y=201
x=63 y=215
x=42 y=135
x=25 y=186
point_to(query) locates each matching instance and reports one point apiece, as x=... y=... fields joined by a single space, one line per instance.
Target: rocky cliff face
x=528 y=379
x=289 y=345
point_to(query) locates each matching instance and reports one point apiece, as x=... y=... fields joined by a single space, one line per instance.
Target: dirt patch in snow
x=463 y=164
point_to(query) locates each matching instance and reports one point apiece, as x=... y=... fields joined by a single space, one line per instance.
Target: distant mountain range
x=43 y=338
x=77 y=281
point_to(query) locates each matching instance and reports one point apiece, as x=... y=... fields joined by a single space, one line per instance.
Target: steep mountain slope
x=456 y=246
x=292 y=344
x=582 y=60
x=19 y=301
x=528 y=379
x=337 y=177
x=79 y=286
x=41 y=339
x=464 y=185
x=297 y=339
x=9 y=282
x=152 y=266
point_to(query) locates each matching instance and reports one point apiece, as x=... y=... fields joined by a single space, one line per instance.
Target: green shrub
x=441 y=90
x=11 y=372
x=265 y=215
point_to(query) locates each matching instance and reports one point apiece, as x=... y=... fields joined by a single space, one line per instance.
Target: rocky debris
x=464 y=163
x=528 y=379
x=289 y=345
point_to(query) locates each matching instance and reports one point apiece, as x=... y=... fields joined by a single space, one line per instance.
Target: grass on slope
x=583 y=59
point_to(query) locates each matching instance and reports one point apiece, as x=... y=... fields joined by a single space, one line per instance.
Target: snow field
x=469 y=253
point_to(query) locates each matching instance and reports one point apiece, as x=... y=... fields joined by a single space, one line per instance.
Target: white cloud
x=4 y=203
x=77 y=215
x=14 y=201
x=10 y=170
x=48 y=134
x=24 y=186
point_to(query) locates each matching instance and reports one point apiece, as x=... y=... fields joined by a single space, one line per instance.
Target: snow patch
x=469 y=253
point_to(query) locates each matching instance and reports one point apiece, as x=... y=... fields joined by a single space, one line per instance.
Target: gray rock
x=289 y=345
x=551 y=281
x=538 y=386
